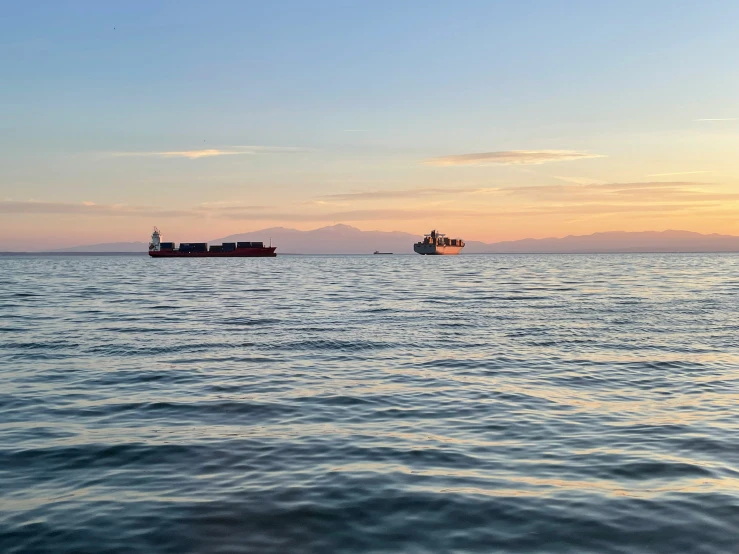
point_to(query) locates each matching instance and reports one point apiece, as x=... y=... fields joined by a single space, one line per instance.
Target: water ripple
x=585 y=403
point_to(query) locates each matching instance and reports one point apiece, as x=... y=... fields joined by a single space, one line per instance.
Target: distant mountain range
x=108 y=247
x=344 y=239
x=616 y=241
x=336 y=239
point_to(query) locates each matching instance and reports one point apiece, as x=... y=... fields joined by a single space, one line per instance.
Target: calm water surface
x=394 y=404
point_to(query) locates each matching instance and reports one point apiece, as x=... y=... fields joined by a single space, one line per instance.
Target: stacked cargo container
x=193 y=247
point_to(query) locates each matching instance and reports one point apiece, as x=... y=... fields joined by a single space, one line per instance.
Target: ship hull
x=435 y=250
x=267 y=252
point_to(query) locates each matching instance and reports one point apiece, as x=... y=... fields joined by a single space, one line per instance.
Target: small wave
x=423 y=406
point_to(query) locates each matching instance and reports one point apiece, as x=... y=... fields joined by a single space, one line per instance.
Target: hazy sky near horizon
x=489 y=120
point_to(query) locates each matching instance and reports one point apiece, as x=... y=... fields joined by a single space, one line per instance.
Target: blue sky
x=300 y=102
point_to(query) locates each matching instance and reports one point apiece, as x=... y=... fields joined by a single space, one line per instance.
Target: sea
x=370 y=404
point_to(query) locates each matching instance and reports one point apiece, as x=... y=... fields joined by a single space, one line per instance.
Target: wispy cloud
x=319 y=202
x=718 y=119
x=121 y=210
x=581 y=180
x=228 y=206
x=87 y=208
x=511 y=157
x=359 y=215
x=586 y=209
x=191 y=154
x=606 y=209
x=214 y=152
x=613 y=191
x=403 y=193
x=566 y=200
x=563 y=200
x=600 y=186
x=256 y=149
x=677 y=173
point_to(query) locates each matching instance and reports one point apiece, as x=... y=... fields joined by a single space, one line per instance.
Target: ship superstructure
x=438 y=244
x=159 y=249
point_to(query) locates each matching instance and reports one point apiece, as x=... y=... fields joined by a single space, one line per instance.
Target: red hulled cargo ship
x=159 y=249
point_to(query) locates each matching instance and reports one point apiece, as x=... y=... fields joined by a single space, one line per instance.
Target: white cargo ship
x=437 y=244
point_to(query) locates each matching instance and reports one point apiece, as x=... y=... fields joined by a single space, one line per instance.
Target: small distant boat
x=378 y=252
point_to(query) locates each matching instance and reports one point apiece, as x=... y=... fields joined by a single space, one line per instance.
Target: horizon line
x=482 y=242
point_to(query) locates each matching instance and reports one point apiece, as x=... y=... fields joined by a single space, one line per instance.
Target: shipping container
x=193 y=247
x=216 y=248
x=257 y=245
x=243 y=245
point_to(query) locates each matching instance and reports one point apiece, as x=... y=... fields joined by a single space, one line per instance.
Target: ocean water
x=384 y=404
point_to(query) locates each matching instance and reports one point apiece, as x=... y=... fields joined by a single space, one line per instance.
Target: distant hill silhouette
x=108 y=247
x=344 y=239
x=336 y=239
x=616 y=241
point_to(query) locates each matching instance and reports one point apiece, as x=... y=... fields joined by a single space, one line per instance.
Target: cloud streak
x=359 y=215
x=564 y=200
x=655 y=198
x=190 y=154
x=86 y=208
x=580 y=180
x=577 y=192
x=119 y=210
x=228 y=205
x=619 y=192
x=213 y=152
x=511 y=157
x=593 y=209
x=403 y=193
x=677 y=173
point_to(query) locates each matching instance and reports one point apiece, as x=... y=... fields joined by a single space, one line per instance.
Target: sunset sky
x=489 y=120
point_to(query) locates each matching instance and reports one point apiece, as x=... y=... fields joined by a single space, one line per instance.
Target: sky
x=488 y=120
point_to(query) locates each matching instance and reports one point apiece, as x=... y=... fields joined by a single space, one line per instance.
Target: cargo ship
x=437 y=244
x=159 y=249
